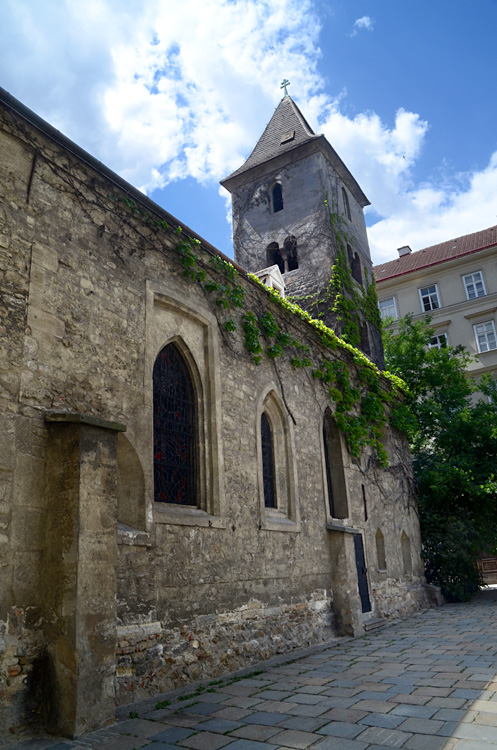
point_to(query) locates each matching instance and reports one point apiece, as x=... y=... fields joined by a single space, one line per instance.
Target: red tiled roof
x=435 y=254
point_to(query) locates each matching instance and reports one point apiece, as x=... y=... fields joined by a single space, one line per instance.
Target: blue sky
x=173 y=95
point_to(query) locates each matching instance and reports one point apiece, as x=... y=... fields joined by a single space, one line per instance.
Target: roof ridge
x=438 y=253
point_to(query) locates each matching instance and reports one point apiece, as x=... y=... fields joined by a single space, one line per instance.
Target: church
x=197 y=467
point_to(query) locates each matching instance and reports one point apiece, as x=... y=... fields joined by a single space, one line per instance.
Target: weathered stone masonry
x=105 y=597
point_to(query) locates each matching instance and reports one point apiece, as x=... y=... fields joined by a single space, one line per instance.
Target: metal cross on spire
x=284 y=85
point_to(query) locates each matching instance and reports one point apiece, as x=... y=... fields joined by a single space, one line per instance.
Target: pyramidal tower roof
x=286 y=129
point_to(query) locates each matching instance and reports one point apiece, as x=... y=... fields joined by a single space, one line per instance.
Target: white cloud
x=365 y=22
x=160 y=90
x=165 y=89
x=429 y=215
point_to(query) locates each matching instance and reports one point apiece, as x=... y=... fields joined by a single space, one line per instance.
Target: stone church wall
x=105 y=597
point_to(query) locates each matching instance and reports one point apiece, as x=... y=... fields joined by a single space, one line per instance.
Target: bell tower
x=282 y=197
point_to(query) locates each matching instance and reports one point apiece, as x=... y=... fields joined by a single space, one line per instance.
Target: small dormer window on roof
x=287 y=137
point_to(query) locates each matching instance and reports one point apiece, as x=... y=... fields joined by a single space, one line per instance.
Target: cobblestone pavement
x=427 y=683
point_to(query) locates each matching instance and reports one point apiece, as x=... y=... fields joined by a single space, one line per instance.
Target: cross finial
x=284 y=85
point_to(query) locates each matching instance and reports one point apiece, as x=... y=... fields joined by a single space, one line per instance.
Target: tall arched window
x=290 y=248
x=277 y=198
x=380 y=551
x=175 y=430
x=346 y=205
x=274 y=256
x=268 y=474
x=406 y=554
x=335 y=476
x=356 y=268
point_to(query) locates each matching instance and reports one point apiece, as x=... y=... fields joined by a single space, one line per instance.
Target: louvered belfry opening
x=175 y=439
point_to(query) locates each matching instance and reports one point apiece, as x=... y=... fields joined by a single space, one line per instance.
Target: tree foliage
x=451 y=422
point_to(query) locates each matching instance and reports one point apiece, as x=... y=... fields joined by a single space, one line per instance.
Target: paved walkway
x=427 y=683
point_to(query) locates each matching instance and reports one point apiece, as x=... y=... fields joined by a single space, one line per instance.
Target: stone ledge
x=343 y=529
x=76 y=417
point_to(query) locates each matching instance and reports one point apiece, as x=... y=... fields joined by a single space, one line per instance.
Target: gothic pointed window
x=356 y=268
x=290 y=248
x=334 y=470
x=277 y=198
x=346 y=204
x=268 y=476
x=175 y=438
x=275 y=257
x=380 y=550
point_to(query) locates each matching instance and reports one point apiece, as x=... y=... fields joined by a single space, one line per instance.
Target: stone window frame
x=430 y=300
x=471 y=282
x=386 y=307
x=276 y=183
x=336 y=474
x=485 y=336
x=170 y=319
x=346 y=204
x=406 y=554
x=286 y=515
x=381 y=557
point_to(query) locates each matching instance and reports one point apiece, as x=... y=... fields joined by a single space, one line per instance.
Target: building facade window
x=175 y=429
x=388 y=308
x=277 y=198
x=474 y=285
x=380 y=550
x=277 y=479
x=334 y=469
x=485 y=336
x=429 y=298
x=274 y=256
x=290 y=253
x=405 y=546
x=439 y=341
x=346 y=204
x=268 y=471
x=356 y=268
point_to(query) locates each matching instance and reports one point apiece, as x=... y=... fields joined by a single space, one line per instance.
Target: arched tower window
x=290 y=248
x=335 y=476
x=175 y=430
x=356 y=268
x=380 y=551
x=275 y=256
x=268 y=473
x=406 y=554
x=346 y=205
x=277 y=198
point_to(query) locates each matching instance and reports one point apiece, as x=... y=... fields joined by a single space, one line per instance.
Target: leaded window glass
x=175 y=439
x=268 y=462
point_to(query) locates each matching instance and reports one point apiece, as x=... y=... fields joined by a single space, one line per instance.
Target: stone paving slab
x=428 y=683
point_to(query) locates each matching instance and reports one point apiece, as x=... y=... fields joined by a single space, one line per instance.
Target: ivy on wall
x=360 y=410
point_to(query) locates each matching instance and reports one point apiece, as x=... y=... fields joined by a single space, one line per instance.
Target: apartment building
x=455 y=282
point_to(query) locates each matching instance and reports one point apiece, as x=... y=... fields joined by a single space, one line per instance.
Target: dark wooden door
x=362 y=579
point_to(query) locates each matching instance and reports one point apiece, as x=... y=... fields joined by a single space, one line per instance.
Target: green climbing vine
x=349 y=302
x=360 y=410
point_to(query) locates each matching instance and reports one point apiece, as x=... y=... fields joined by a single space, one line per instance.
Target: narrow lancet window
x=333 y=464
x=277 y=196
x=346 y=204
x=268 y=462
x=290 y=249
x=175 y=439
